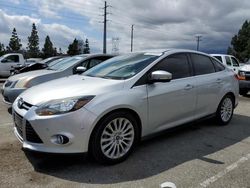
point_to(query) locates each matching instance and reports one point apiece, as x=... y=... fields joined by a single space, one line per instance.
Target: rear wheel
x=225 y=110
x=114 y=138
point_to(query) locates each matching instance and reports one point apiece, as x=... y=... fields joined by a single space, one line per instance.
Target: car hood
x=71 y=86
x=245 y=68
x=30 y=75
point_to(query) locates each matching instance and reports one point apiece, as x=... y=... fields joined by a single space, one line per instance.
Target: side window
x=218 y=65
x=228 y=61
x=202 y=64
x=235 y=62
x=94 y=62
x=11 y=59
x=176 y=64
x=219 y=58
x=83 y=64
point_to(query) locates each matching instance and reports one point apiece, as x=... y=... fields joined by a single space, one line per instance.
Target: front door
x=173 y=102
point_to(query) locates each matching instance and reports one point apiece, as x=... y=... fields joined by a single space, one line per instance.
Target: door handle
x=188 y=87
x=219 y=80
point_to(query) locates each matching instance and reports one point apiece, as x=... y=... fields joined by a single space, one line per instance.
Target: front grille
x=23 y=105
x=18 y=119
x=31 y=135
x=26 y=106
x=7 y=83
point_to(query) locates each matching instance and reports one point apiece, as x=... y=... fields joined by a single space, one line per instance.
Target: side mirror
x=160 y=76
x=80 y=70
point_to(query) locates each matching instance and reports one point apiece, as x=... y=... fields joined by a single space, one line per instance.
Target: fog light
x=60 y=139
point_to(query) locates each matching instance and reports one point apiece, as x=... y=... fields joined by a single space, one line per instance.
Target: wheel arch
x=134 y=113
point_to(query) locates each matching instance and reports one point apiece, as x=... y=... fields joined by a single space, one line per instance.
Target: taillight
x=241 y=75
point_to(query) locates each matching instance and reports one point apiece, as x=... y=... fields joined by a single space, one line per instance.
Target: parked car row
x=108 y=109
x=16 y=84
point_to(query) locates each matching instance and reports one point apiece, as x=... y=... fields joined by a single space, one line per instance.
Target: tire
x=111 y=145
x=243 y=92
x=225 y=110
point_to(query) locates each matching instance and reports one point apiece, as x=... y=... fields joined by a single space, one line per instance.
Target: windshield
x=64 y=63
x=122 y=67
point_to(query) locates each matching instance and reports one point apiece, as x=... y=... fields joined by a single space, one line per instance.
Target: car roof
x=95 y=55
x=170 y=51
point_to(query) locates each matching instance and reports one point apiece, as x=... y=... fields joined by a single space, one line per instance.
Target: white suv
x=229 y=61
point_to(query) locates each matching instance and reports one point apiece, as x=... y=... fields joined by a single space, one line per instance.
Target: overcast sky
x=158 y=23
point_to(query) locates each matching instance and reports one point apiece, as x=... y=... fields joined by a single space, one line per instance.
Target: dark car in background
x=35 y=66
x=16 y=84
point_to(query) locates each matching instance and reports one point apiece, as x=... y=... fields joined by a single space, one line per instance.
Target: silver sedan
x=111 y=107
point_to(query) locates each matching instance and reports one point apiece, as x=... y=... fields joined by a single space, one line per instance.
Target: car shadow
x=151 y=157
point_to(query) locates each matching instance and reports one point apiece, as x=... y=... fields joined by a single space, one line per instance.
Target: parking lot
x=198 y=155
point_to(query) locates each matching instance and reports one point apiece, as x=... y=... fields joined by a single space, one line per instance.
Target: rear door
x=208 y=84
x=173 y=102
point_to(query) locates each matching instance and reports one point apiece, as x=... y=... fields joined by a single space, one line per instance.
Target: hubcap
x=117 y=138
x=226 y=109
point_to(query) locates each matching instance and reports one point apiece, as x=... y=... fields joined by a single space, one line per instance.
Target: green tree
x=48 y=49
x=73 y=48
x=15 y=43
x=241 y=43
x=2 y=49
x=86 y=49
x=33 y=43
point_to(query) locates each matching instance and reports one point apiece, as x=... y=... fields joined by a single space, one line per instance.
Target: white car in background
x=244 y=79
x=229 y=61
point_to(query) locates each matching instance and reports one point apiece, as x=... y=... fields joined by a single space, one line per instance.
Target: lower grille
x=6 y=99
x=18 y=124
x=31 y=135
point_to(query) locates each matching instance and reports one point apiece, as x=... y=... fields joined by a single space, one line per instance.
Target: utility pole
x=132 y=37
x=105 y=26
x=198 y=39
x=105 y=29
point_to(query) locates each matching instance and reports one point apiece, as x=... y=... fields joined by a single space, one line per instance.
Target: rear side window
x=219 y=58
x=176 y=64
x=218 y=65
x=228 y=61
x=202 y=64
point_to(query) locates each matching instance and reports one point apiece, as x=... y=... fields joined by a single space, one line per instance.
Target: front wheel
x=225 y=110
x=114 y=138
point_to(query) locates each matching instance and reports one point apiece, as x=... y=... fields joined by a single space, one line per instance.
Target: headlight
x=62 y=106
x=23 y=83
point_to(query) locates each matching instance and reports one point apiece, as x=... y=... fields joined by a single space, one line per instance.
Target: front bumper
x=10 y=94
x=77 y=126
x=244 y=84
